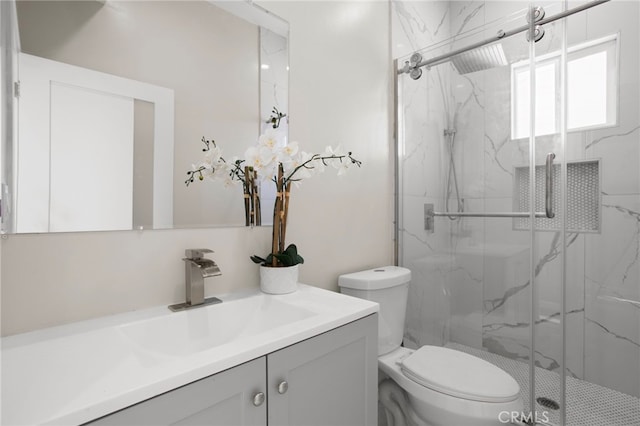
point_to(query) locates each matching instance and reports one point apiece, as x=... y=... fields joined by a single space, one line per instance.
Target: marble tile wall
x=471 y=276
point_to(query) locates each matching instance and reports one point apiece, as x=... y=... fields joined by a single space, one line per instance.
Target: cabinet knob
x=283 y=387
x=258 y=399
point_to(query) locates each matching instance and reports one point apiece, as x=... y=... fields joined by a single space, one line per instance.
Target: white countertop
x=78 y=372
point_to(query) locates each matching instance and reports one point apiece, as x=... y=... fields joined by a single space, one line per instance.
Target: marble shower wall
x=611 y=258
x=471 y=276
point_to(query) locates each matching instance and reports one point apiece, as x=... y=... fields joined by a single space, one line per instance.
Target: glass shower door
x=601 y=238
x=544 y=78
x=584 y=118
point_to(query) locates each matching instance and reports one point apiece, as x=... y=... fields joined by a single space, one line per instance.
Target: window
x=592 y=89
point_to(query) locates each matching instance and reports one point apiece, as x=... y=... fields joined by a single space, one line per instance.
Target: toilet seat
x=459 y=374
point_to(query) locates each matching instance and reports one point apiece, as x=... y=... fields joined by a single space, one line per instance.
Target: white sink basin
x=199 y=329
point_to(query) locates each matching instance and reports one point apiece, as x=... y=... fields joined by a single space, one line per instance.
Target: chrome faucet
x=197 y=268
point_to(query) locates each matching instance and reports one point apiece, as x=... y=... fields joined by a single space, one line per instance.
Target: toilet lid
x=459 y=374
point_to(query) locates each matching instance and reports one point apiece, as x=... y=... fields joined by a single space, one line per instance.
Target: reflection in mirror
x=115 y=98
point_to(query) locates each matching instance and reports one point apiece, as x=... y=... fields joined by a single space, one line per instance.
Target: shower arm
x=501 y=34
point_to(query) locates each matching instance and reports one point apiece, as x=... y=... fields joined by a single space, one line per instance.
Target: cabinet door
x=331 y=378
x=224 y=399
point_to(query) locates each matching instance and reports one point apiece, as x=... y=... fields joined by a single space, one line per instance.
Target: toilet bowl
x=435 y=385
x=453 y=397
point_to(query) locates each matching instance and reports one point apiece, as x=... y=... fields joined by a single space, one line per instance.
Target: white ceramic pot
x=280 y=280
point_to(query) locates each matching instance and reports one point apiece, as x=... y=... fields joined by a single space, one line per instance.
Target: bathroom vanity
x=308 y=357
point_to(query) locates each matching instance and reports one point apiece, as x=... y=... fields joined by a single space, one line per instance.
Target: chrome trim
x=548 y=186
x=184 y=305
x=396 y=170
x=483 y=214
x=500 y=35
x=197 y=268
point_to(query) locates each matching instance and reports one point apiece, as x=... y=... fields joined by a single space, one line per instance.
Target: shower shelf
x=583 y=193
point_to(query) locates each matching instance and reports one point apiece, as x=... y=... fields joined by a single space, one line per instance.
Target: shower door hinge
x=16 y=89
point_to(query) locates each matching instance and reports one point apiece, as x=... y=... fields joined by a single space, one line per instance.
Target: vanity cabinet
x=329 y=379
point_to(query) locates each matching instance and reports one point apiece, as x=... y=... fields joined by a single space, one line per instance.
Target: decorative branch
x=257 y=212
x=275 y=118
x=247 y=199
x=235 y=169
x=277 y=210
x=193 y=173
x=323 y=158
x=215 y=165
x=287 y=196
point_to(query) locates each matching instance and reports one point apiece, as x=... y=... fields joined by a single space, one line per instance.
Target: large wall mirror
x=115 y=98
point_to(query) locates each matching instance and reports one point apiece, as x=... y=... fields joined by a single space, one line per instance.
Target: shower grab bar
x=501 y=34
x=429 y=213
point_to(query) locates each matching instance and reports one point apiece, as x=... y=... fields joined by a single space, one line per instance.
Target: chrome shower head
x=482 y=58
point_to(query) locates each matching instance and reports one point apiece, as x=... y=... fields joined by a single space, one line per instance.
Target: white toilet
x=443 y=386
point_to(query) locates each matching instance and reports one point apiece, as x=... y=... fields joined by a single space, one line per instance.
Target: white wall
x=340 y=93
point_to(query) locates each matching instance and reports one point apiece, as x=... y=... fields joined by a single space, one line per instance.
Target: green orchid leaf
x=289 y=257
x=285 y=259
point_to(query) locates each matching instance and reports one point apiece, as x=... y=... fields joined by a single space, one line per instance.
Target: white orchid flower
x=289 y=150
x=221 y=170
x=313 y=167
x=288 y=157
x=228 y=181
x=342 y=165
x=335 y=152
x=214 y=155
x=262 y=159
x=295 y=163
x=271 y=139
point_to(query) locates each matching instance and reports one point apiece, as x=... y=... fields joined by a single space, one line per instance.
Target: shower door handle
x=548 y=183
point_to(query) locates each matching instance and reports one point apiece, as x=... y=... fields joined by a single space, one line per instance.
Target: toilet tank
x=389 y=287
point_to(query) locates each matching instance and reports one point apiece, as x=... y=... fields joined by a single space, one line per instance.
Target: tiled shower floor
x=588 y=404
